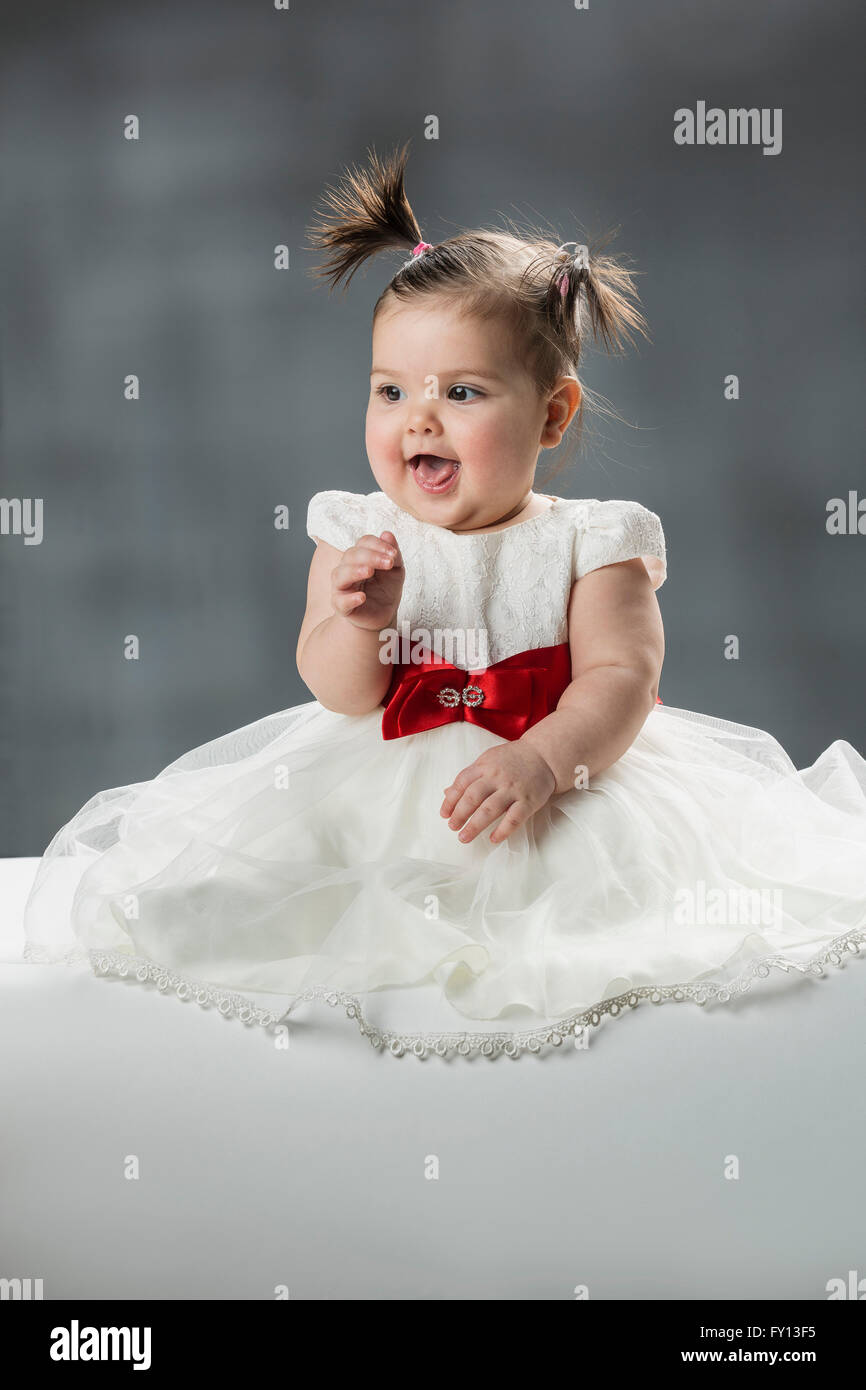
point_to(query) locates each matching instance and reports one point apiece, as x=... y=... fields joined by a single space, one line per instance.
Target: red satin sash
x=507 y=697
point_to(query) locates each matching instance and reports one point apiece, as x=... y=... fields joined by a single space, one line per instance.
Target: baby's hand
x=367 y=583
x=511 y=779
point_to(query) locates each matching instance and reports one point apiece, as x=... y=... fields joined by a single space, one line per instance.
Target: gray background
x=156 y=258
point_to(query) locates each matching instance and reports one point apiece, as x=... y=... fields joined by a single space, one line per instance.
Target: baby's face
x=445 y=387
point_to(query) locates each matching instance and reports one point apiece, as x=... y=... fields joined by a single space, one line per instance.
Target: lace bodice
x=507 y=589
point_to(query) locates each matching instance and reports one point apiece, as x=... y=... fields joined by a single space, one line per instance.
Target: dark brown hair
x=511 y=276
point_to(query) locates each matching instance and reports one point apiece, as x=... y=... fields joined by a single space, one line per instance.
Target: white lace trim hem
x=465 y=1044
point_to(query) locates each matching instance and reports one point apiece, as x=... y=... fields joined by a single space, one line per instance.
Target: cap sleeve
x=608 y=532
x=336 y=517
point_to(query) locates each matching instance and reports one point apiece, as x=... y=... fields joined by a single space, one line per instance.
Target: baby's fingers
x=347 y=600
x=361 y=562
x=369 y=547
x=457 y=788
x=517 y=813
x=477 y=790
x=490 y=809
x=389 y=541
x=346 y=576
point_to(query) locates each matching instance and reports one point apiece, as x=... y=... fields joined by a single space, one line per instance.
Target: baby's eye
x=380 y=391
x=462 y=400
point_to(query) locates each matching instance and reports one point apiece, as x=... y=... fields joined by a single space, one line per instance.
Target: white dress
x=302 y=858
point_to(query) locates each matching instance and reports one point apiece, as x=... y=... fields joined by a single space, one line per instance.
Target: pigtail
x=368 y=212
x=588 y=285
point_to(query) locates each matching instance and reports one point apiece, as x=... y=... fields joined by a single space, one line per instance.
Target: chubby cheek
x=485 y=461
x=489 y=444
x=381 y=441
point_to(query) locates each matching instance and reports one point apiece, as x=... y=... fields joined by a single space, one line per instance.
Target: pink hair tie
x=580 y=259
x=422 y=246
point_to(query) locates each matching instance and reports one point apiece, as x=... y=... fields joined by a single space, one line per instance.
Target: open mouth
x=433 y=473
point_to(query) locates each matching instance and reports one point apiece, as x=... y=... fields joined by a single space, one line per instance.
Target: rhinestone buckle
x=451 y=697
x=448 y=696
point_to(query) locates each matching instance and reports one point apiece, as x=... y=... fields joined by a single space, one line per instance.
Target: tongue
x=434 y=469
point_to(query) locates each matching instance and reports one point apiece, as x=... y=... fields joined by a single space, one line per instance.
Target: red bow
x=507 y=697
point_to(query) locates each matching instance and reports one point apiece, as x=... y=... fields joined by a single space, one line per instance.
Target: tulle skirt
x=302 y=860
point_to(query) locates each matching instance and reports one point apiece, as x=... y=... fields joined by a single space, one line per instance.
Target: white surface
x=306 y=1167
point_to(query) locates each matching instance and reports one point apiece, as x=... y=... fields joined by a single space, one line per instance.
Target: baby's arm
x=617 y=649
x=351 y=596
